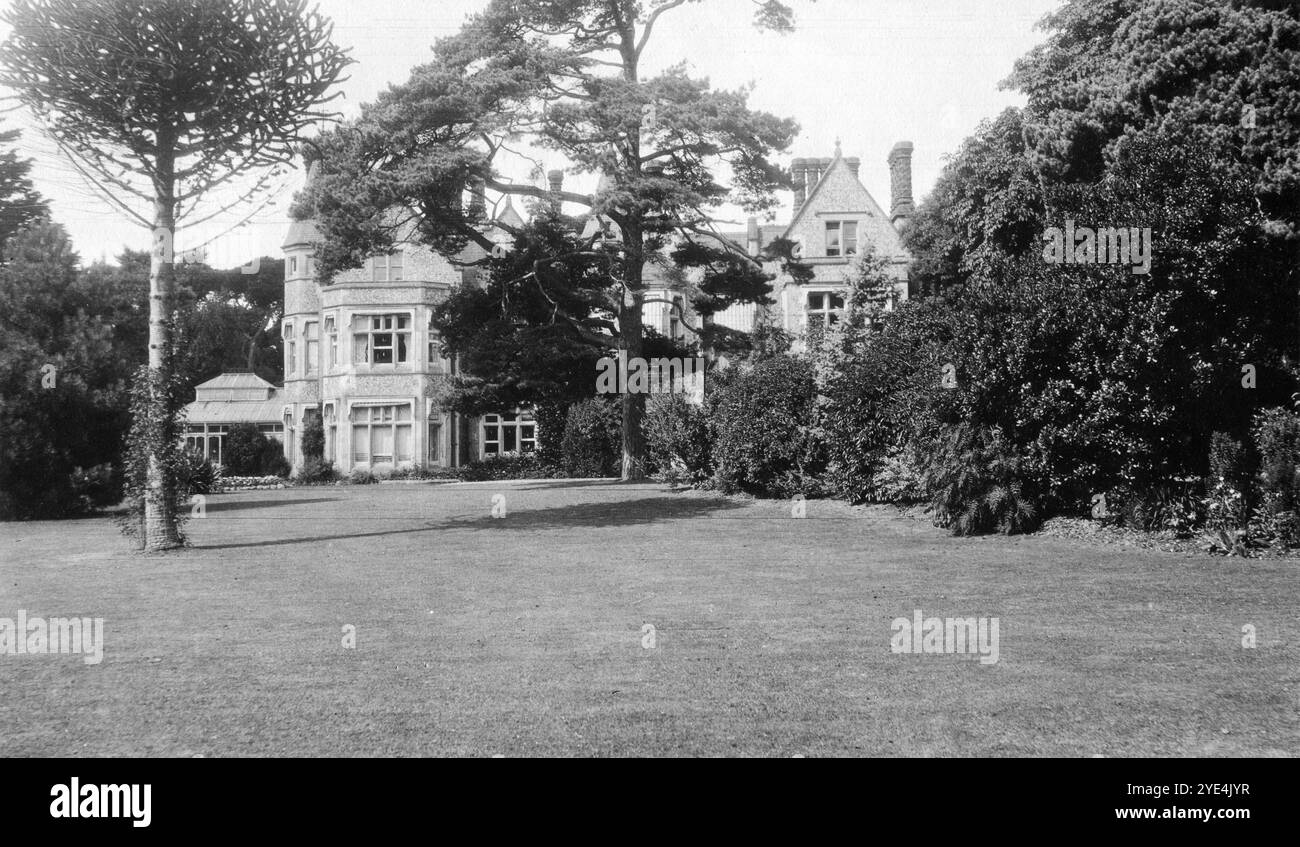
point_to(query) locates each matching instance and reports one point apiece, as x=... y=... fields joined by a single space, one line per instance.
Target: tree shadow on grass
x=237 y=505
x=646 y=510
x=595 y=515
x=538 y=485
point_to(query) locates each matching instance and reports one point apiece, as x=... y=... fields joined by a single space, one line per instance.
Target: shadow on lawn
x=624 y=513
x=538 y=485
x=237 y=505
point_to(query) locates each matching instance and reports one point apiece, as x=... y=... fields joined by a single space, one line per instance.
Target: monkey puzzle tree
x=562 y=76
x=163 y=101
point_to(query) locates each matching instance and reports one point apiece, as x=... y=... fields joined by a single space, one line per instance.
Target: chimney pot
x=816 y=170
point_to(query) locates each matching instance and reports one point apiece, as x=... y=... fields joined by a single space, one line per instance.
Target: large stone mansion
x=361 y=354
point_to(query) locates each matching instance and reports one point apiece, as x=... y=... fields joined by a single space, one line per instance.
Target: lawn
x=523 y=636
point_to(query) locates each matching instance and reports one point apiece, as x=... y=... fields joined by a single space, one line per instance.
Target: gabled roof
x=234 y=411
x=836 y=169
x=236 y=381
x=234 y=398
x=836 y=162
x=508 y=216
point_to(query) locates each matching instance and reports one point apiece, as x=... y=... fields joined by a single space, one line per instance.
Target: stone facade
x=360 y=353
x=830 y=202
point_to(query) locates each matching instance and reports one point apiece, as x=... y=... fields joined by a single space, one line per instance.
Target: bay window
x=381 y=434
x=381 y=339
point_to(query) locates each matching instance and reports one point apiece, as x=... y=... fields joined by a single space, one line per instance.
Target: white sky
x=869 y=72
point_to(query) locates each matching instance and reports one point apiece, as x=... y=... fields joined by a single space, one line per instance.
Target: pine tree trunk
x=630 y=340
x=160 y=526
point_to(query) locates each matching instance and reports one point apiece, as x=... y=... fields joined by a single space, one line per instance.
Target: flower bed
x=226 y=484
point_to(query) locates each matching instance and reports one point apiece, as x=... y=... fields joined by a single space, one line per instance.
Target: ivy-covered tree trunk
x=160 y=527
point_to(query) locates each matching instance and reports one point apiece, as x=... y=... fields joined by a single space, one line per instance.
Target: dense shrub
x=1277 y=443
x=248 y=452
x=678 y=443
x=316 y=471
x=273 y=461
x=1275 y=518
x=593 y=440
x=879 y=395
x=1072 y=379
x=419 y=473
x=1229 y=462
x=97 y=486
x=551 y=419
x=899 y=479
x=765 y=440
x=1229 y=495
x=978 y=483
x=1270 y=527
x=361 y=476
x=524 y=466
x=242 y=449
x=1175 y=505
x=313 y=438
x=64 y=368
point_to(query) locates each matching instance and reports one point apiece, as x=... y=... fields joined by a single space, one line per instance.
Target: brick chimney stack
x=854 y=163
x=477 y=198
x=556 y=180
x=752 y=241
x=900 y=183
x=814 y=173
x=799 y=168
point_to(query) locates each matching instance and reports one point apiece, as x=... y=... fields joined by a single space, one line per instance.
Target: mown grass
x=523 y=635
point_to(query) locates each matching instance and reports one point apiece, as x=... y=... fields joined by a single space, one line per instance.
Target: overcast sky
x=869 y=72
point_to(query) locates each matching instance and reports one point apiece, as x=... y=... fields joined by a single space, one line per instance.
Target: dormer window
x=386 y=268
x=841 y=238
